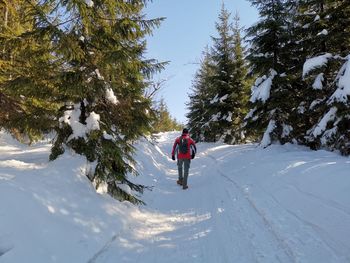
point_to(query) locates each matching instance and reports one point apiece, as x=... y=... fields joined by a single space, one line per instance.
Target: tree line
x=77 y=70
x=290 y=84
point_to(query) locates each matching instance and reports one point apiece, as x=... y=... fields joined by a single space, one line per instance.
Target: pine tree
x=327 y=26
x=199 y=105
x=241 y=84
x=164 y=122
x=313 y=36
x=24 y=56
x=226 y=106
x=85 y=81
x=268 y=56
x=222 y=55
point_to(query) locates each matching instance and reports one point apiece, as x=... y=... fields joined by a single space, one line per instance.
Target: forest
x=76 y=71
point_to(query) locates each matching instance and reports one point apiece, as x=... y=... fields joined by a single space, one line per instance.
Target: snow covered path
x=244 y=204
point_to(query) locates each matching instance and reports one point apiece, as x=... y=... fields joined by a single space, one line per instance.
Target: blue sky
x=181 y=39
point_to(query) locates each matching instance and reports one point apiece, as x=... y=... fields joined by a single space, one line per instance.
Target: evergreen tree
x=24 y=56
x=202 y=92
x=269 y=58
x=85 y=80
x=241 y=84
x=164 y=122
x=327 y=25
x=226 y=106
x=313 y=36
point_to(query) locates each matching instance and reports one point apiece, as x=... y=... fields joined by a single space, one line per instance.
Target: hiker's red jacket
x=190 y=144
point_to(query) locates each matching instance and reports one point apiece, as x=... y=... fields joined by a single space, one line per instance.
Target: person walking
x=185 y=149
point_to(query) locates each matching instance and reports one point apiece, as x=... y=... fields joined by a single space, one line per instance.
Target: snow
x=108 y=136
x=266 y=140
x=110 y=96
x=250 y=114
x=215 y=117
x=301 y=108
x=315 y=62
x=92 y=122
x=323 y=32
x=89 y=3
x=229 y=117
x=71 y=117
x=98 y=74
x=343 y=91
x=223 y=98
x=125 y=188
x=215 y=99
x=262 y=87
x=287 y=129
x=328 y=135
x=244 y=204
x=315 y=103
x=102 y=188
x=318 y=82
x=321 y=126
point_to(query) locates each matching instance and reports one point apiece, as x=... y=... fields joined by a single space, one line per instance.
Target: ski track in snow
x=240 y=207
x=274 y=237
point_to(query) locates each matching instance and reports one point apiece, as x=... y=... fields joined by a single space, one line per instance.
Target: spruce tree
x=26 y=61
x=226 y=106
x=199 y=105
x=327 y=25
x=268 y=55
x=86 y=82
x=314 y=29
x=163 y=120
x=241 y=84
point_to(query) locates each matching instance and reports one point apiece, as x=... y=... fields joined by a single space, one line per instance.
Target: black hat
x=185 y=131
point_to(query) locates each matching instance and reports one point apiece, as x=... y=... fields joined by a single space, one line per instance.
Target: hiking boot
x=179 y=182
x=184 y=187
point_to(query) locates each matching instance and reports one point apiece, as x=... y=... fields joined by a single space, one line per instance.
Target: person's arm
x=174 y=149
x=194 y=149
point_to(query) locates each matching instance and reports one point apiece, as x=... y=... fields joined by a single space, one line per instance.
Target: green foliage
x=63 y=58
x=200 y=99
x=220 y=89
x=163 y=121
x=324 y=32
x=274 y=56
x=303 y=104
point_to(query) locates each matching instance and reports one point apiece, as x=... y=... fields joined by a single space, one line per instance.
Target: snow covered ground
x=244 y=204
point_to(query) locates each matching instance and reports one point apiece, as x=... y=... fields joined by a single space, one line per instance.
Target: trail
x=218 y=219
x=283 y=204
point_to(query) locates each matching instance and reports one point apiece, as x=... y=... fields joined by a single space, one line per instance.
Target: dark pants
x=183 y=166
